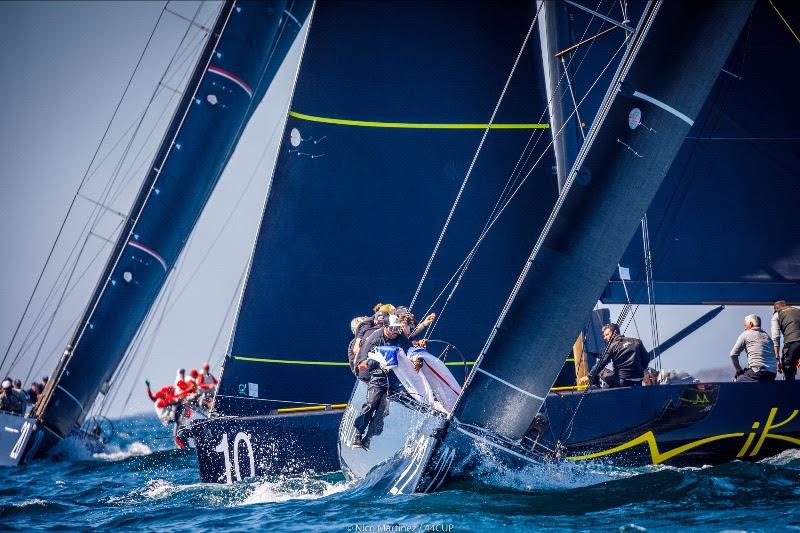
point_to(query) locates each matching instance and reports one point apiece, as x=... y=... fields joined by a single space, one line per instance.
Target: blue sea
x=141 y=483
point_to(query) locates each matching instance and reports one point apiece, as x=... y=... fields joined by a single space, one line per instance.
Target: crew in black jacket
x=628 y=355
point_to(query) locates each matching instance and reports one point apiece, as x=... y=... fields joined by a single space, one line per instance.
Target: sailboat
x=505 y=413
x=384 y=121
x=244 y=48
x=346 y=216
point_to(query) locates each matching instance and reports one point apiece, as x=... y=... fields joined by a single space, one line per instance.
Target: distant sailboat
x=221 y=95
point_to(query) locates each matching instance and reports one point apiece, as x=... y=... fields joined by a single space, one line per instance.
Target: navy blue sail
x=242 y=54
x=722 y=228
x=390 y=105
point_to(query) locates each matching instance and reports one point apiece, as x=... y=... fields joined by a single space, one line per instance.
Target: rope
x=474 y=159
x=788 y=27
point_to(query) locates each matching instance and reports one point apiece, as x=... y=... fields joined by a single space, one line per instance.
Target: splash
x=546 y=475
x=306 y=487
x=115 y=453
x=786 y=457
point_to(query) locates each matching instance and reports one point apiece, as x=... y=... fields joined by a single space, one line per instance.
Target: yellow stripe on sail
x=416 y=125
x=322 y=363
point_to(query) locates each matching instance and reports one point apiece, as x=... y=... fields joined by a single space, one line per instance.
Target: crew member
x=761 y=361
x=786 y=322
x=206 y=379
x=10 y=401
x=379 y=380
x=629 y=358
x=367 y=328
x=412 y=328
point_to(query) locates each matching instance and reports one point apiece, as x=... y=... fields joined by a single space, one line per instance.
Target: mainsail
x=721 y=228
x=622 y=164
x=390 y=105
x=242 y=54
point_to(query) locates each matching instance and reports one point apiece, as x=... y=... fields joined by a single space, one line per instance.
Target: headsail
x=719 y=231
x=390 y=104
x=237 y=63
x=623 y=165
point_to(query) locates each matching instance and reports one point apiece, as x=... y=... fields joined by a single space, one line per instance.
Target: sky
x=65 y=67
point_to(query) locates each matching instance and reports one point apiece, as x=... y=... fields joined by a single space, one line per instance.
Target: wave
x=304 y=487
x=114 y=453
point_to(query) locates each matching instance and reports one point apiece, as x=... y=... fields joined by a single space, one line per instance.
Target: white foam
x=115 y=453
x=783 y=458
x=292 y=488
x=33 y=501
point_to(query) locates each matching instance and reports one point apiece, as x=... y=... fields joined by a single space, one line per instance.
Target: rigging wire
x=97 y=212
x=530 y=171
x=59 y=280
x=461 y=270
x=83 y=180
x=475 y=158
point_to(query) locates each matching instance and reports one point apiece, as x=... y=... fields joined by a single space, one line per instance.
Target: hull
x=233 y=448
x=680 y=425
x=24 y=438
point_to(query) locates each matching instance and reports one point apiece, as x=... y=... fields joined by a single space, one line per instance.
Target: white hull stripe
x=232 y=77
x=65 y=391
x=145 y=249
x=506 y=383
x=665 y=107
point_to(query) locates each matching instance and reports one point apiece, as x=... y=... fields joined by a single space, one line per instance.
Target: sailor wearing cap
x=374 y=364
x=11 y=400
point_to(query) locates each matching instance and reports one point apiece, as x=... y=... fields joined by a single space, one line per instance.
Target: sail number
x=238 y=440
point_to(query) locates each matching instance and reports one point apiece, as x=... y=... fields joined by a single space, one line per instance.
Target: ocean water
x=141 y=483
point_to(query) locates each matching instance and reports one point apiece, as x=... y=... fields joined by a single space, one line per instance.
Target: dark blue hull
x=232 y=448
x=680 y=425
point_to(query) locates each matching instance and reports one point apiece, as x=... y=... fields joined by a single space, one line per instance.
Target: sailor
x=786 y=322
x=629 y=358
x=164 y=402
x=33 y=393
x=10 y=401
x=367 y=328
x=411 y=328
x=352 y=349
x=375 y=369
x=761 y=365
x=386 y=308
x=206 y=380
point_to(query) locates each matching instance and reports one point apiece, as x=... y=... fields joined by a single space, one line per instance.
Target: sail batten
x=622 y=166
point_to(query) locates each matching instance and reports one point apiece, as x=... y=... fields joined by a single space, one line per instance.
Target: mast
x=231 y=75
x=594 y=220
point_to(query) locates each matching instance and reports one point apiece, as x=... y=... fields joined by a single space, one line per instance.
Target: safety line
x=416 y=125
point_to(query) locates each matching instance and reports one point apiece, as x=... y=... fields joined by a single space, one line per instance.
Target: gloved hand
x=147 y=382
x=740 y=372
